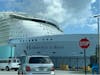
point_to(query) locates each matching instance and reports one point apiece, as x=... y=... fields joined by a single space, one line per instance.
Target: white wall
x=62 y=45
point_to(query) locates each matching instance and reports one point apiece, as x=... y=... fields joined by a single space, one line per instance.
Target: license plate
x=41 y=68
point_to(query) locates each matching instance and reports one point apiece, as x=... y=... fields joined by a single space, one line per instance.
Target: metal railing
x=70 y=61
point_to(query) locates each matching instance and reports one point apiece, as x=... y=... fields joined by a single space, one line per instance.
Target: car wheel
x=7 y=68
x=2 y=69
x=16 y=69
x=20 y=73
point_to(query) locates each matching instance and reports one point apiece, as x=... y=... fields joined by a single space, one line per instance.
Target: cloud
x=93 y=26
x=31 y=7
x=65 y=12
x=92 y=23
x=93 y=1
x=69 y=12
x=79 y=12
x=54 y=10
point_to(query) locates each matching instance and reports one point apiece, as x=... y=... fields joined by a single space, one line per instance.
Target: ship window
x=46 y=39
x=32 y=40
x=38 y=52
x=35 y=39
x=29 y=40
x=51 y=39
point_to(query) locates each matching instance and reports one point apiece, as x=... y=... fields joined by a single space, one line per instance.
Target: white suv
x=36 y=65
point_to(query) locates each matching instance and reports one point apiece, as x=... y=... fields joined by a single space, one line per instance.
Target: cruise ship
x=18 y=27
x=21 y=34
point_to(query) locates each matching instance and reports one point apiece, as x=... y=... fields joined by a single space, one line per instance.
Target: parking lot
x=58 y=72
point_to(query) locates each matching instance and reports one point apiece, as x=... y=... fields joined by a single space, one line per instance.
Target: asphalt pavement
x=57 y=72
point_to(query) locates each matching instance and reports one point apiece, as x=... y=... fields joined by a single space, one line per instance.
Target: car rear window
x=18 y=61
x=14 y=60
x=39 y=60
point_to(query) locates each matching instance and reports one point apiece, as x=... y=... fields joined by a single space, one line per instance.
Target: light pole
x=98 y=58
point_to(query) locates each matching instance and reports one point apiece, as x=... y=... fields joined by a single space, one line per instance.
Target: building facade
x=20 y=33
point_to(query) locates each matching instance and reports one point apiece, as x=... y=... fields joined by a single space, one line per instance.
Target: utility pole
x=98 y=49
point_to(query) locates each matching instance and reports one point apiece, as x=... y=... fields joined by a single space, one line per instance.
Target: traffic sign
x=84 y=43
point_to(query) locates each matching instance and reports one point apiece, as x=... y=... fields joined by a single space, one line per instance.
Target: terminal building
x=20 y=33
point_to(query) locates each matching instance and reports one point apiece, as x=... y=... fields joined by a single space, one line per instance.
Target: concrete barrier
x=64 y=67
x=88 y=68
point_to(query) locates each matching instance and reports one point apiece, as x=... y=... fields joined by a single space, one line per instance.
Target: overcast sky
x=73 y=16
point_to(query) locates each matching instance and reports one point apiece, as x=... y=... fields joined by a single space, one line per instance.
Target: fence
x=70 y=61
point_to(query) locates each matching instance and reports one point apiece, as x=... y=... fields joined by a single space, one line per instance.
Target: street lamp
x=98 y=18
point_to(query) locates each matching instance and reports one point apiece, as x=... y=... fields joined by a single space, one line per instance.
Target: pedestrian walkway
x=60 y=72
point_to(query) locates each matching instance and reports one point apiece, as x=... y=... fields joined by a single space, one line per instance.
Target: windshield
x=15 y=60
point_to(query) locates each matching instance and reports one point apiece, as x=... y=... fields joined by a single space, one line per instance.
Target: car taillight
x=28 y=68
x=52 y=69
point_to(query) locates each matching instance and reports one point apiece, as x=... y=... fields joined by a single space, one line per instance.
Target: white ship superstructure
x=19 y=25
x=14 y=25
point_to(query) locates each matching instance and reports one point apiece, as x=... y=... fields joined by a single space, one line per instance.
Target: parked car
x=36 y=65
x=9 y=64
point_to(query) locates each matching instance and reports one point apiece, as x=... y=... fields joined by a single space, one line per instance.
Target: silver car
x=36 y=65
